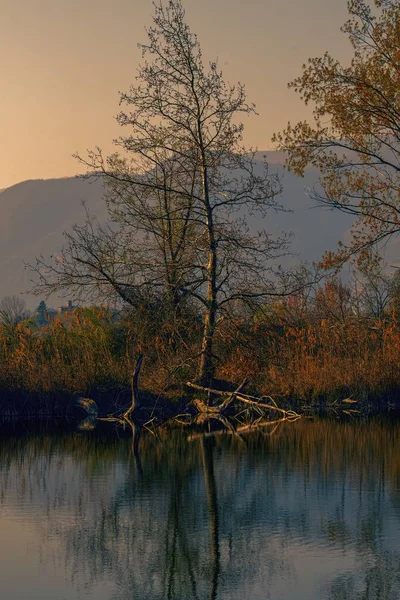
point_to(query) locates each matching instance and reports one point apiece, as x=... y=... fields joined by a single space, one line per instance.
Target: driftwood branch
x=135 y=392
x=231 y=396
x=245 y=398
x=255 y=402
x=205 y=389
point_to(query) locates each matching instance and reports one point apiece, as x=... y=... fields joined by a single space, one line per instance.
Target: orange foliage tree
x=354 y=139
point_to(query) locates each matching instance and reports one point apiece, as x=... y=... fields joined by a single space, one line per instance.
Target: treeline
x=325 y=344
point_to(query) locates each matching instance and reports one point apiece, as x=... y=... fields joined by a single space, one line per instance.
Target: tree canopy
x=354 y=140
x=12 y=310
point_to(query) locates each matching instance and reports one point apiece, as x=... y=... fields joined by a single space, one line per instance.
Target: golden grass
x=304 y=359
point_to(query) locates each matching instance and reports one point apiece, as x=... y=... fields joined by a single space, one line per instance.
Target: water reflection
x=312 y=512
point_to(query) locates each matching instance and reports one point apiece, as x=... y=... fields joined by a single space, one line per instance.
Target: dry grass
x=323 y=358
x=301 y=355
x=86 y=350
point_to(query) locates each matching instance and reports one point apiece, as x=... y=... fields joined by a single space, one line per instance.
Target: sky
x=63 y=62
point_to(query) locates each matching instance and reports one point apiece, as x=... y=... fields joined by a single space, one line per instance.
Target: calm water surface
x=310 y=512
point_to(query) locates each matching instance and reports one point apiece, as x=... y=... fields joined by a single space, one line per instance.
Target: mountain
x=35 y=213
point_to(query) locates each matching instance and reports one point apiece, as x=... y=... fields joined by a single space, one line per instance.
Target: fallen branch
x=202 y=407
x=245 y=398
x=231 y=396
x=205 y=389
x=255 y=402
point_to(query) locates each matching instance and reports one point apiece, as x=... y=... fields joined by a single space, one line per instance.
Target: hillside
x=35 y=213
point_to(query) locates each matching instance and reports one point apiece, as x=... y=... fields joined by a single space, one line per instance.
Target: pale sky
x=63 y=62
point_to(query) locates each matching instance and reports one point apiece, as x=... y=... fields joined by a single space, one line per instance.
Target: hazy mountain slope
x=33 y=216
x=35 y=213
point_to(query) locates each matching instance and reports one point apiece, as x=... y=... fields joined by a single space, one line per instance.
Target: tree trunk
x=207 y=363
x=211 y=493
x=135 y=403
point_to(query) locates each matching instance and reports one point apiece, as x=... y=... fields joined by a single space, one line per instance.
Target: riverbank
x=115 y=401
x=302 y=362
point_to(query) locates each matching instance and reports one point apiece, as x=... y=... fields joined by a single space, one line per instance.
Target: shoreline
x=31 y=405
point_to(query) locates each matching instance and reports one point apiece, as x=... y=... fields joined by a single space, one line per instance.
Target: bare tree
x=12 y=310
x=375 y=290
x=178 y=195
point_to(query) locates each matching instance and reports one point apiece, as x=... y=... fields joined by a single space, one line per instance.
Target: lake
x=307 y=510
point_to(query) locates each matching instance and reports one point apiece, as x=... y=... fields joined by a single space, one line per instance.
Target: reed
x=304 y=355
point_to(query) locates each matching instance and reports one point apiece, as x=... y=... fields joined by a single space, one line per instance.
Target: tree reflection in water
x=310 y=512
x=212 y=505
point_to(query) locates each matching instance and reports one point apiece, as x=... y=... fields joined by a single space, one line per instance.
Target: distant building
x=44 y=315
x=65 y=308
